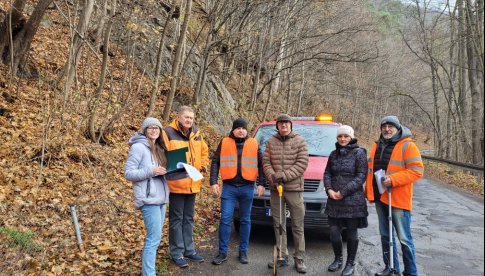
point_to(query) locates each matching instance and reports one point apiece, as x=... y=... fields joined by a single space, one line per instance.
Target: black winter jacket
x=346 y=172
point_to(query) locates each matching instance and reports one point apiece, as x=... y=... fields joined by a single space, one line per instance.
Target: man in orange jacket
x=396 y=154
x=182 y=133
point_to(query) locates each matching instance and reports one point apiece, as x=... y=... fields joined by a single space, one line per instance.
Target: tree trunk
x=254 y=94
x=99 y=90
x=452 y=69
x=474 y=87
x=13 y=22
x=100 y=26
x=275 y=84
x=23 y=40
x=75 y=50
x=437 y=117
x=158 y=66
x=202 y=70
x=176 y=61
x=288 y=92
x=302 y=83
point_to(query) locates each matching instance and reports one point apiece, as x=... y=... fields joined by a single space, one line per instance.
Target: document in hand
x=193 y=173
x=184 y=170
x=379 y=175
x=176 y=156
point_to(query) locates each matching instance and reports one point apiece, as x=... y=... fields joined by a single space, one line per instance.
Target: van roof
x=301 y=122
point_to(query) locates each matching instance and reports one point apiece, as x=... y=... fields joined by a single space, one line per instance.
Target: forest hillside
x=78 y=77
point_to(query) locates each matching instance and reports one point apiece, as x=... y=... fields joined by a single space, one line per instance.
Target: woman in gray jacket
x=146 y=168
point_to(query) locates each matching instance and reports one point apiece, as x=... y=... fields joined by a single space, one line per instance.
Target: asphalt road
x=447 y=225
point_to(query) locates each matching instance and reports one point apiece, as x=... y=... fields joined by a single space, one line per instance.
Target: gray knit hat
x=150 y=121
x=391 y=120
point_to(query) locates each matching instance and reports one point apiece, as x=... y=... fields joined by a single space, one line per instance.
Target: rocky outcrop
x=140 y=36
x=217 y=105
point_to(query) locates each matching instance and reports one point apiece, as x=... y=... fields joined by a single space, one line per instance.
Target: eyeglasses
x=153 y=128
x=387 y=126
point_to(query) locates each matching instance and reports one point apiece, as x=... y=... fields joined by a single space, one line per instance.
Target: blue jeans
x=231 y=195
x=153 y=217
x=401 y=219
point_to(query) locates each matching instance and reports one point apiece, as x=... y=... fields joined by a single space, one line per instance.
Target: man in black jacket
x=238 y=159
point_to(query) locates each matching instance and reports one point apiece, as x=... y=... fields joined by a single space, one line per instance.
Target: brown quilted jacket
x=287 y=155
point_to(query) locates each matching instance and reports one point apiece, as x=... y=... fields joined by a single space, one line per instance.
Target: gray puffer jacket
x=147 y=188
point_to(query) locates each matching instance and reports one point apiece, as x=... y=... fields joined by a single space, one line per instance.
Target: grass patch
x=21 y=240
x=162 y=266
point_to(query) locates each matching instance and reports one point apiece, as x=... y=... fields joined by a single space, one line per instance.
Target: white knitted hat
x=345 y=129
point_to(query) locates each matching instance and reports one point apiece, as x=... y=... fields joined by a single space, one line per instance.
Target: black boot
x=336 y=265
x=352 y=245
x=336 y=240
x=349 y=269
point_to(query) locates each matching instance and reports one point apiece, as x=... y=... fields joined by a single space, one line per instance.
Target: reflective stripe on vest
x=249 y=159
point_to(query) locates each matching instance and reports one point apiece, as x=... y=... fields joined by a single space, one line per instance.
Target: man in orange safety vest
x=238 y=160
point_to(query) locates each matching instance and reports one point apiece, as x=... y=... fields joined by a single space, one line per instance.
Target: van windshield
x=321 y=139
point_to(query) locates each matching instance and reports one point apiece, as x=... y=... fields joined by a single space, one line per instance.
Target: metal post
x=391 y=245
x=76 y=227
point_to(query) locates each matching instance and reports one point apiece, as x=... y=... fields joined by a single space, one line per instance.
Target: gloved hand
x=278 y=177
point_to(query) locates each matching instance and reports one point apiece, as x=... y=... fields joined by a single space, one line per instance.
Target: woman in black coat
x=344 y=180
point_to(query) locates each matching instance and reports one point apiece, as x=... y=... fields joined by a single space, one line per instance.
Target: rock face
x=140 y=36
x=217 y=105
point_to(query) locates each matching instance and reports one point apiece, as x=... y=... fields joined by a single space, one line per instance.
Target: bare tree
x=176 y=61
x=21 y=41
x=75 y=51
x=104 y=67
x=158 y=66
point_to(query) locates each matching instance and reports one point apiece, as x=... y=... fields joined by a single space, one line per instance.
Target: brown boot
x=300 y=265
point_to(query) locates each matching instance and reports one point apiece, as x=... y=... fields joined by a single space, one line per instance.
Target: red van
x=320 y=133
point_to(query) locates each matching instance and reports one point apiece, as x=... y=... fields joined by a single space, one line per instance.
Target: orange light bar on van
x=324 y=118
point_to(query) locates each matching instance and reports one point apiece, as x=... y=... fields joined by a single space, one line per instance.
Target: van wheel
x=237 y=224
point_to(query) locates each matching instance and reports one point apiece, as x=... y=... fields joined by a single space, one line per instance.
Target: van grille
x=311 y=185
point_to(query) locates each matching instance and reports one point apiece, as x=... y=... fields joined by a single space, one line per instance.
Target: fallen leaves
x=447 y=174
x=35 y=195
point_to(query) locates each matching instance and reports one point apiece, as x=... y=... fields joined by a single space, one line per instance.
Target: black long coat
x=346 y=172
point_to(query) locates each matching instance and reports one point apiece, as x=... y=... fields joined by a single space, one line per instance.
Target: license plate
x=268 y=212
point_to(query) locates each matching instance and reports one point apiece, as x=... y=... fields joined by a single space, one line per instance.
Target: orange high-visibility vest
x=249 y=159
x=405 y=167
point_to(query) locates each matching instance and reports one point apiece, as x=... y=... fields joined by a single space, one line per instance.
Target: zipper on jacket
x=282 y=157
x=149 y=179
x=148 y=187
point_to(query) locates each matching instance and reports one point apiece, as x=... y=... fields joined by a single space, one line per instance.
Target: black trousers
x=352 y=242
x=181 y=225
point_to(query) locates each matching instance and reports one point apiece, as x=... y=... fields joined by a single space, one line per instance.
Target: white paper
x=380 y=174
x=193 y=173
